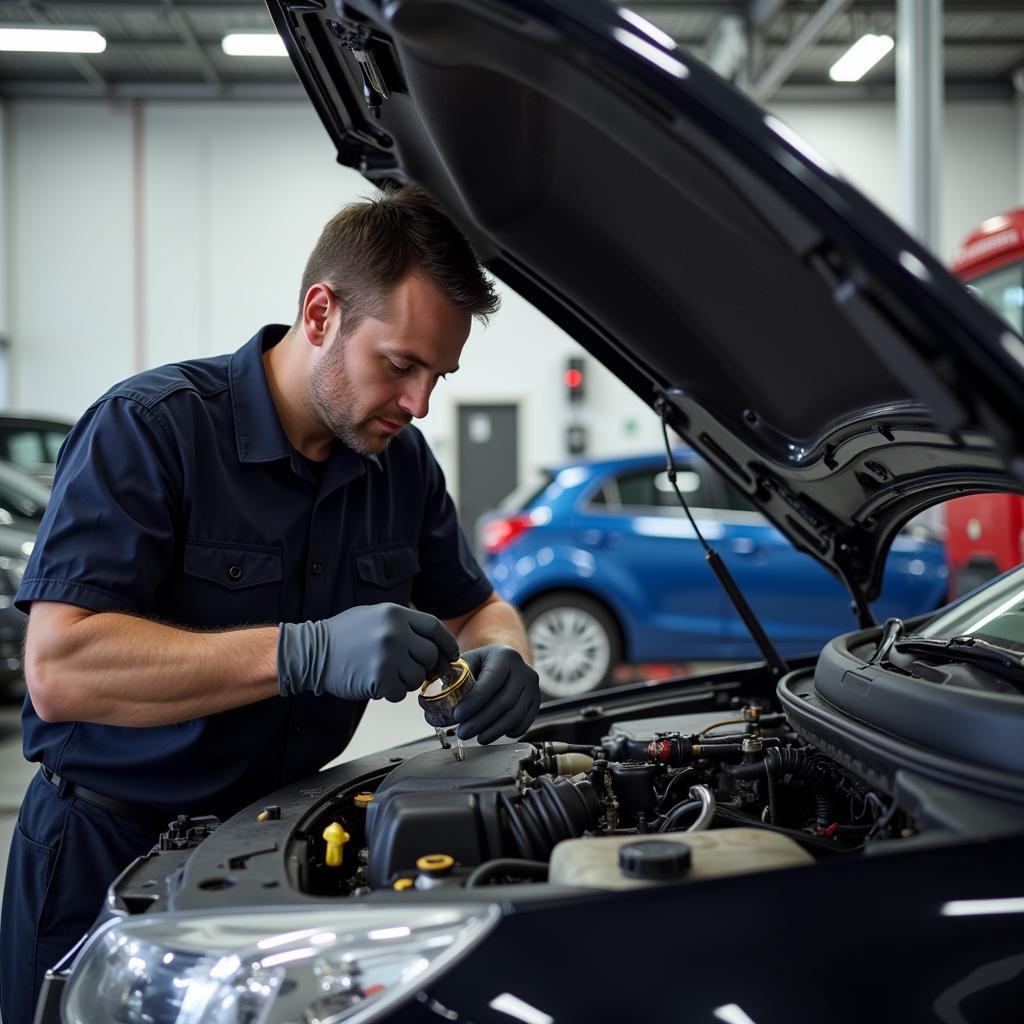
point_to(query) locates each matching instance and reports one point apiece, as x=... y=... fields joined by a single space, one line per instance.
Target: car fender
x=523 y=577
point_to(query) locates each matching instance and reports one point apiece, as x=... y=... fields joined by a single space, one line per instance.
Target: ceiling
x=773 y=48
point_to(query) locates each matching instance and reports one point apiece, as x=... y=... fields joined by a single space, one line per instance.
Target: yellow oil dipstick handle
x=336 y=838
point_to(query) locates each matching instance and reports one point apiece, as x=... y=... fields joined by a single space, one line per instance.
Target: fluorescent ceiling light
x=32 y=39
x=253 y=44
x=860 y=58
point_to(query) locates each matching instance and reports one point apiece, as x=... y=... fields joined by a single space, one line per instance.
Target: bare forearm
x=495 y=623
x=121 y=670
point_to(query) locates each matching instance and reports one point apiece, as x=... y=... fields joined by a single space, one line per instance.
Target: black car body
x=866 y=808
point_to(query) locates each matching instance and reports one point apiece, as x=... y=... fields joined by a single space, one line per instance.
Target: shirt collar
x=258 y=431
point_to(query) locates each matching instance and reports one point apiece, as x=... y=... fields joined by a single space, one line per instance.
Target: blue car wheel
x=576 y=643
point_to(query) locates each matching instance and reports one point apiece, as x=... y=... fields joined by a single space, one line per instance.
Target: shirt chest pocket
x=233 y=584
x=386 y=574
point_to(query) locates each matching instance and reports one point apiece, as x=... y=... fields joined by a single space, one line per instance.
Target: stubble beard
x=332 y=396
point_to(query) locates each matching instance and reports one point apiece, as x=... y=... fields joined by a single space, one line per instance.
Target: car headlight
x=324 y=965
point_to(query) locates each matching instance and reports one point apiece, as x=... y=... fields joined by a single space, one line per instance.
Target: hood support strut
x=775 y=661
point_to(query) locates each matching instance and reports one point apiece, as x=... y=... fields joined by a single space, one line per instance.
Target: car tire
x=576 y=643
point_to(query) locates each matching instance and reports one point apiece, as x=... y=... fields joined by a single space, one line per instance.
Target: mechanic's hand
x=505 y=698
x=366 y=652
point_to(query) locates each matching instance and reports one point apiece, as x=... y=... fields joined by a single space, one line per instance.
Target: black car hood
x=785 y=327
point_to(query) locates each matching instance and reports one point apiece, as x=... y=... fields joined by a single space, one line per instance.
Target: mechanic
x=240 y=551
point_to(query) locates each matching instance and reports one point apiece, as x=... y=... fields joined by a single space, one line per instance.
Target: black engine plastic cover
x=435 y=804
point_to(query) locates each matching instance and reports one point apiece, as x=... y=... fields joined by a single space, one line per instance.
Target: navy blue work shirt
x=178 y=497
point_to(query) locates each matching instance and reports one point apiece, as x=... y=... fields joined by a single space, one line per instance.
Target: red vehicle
x=986 y=532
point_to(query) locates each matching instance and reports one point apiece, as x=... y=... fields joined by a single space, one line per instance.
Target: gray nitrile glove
x=505 y=698
x=366 y=652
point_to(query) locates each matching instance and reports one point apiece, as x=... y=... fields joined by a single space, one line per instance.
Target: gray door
x=488 y=460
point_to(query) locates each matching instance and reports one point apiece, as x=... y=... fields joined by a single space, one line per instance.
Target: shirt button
x=235 y=572
x=316 y=568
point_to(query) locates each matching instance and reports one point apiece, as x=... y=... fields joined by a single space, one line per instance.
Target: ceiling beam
x=173 y=91
x=182 y=27
x=154 y=6
x=764 y=87
x=96 y=81
x=761 y=12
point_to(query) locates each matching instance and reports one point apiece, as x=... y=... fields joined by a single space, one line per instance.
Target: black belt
x=108 y=803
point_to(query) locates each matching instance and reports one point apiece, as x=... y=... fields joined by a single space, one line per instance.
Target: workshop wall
x=137 y=234
x=981 y=157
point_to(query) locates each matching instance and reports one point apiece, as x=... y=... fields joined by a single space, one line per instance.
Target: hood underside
x=825 y=363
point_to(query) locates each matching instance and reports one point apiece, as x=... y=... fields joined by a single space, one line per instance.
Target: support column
x=919 y=109
x=6 y=256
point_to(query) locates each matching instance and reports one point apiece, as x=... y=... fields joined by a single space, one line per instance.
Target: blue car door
x=648 y=559
x=798 y=602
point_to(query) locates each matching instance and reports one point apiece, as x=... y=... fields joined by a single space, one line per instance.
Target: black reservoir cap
x=654 y=858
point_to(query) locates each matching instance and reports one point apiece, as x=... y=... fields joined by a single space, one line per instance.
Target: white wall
x=981 y=157
x=5 y=248
x=230 y=198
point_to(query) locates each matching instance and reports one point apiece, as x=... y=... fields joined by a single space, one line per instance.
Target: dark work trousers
x=64 y=854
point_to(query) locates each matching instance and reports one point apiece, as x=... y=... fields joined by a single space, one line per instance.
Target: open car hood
x=808 y=348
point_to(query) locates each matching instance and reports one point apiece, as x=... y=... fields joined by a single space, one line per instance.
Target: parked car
x=23 y=501
x=606 y=567
x=15 y=547
x=32 y=443
x=836 y=838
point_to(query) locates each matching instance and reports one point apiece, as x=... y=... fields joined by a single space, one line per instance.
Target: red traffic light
x=573 y=379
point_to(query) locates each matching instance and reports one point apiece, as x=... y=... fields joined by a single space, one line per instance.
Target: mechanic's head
x=388 y=297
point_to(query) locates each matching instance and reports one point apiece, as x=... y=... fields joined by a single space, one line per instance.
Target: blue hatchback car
x=605 y=567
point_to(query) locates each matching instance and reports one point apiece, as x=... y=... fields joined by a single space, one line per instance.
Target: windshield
x=995 y=612
x=1003 y=290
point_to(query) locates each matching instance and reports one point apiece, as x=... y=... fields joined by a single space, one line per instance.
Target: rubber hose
x=679 y=811
x=533 y=869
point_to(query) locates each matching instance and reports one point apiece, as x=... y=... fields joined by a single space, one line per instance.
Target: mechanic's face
x=373 y=382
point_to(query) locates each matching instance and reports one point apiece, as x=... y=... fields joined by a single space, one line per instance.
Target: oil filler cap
x=654 y=859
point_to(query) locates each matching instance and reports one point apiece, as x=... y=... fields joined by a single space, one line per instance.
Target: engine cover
x=435 y=804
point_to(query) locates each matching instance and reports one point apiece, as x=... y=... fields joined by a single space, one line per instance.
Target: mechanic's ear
x=317 y=307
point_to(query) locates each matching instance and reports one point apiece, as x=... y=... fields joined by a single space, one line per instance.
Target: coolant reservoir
x=628 y=862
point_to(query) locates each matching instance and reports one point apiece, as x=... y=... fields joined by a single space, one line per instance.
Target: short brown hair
x=371 y=245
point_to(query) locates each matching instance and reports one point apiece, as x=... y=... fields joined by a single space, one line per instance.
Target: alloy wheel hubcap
x=571 y=651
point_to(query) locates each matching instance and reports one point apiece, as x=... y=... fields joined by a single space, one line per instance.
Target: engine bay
x=655 y=800
x=733 y=773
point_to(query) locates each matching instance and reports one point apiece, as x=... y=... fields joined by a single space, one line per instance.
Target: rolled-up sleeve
x=107 y=538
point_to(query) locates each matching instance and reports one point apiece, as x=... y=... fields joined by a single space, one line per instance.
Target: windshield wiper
x=969 y=650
